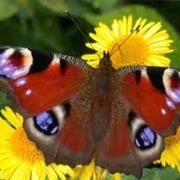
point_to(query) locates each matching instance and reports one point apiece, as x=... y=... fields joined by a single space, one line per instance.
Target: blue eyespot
x=47 y=123
x=145 y=138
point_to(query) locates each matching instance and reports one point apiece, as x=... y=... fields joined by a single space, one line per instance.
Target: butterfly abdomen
x=100 y=117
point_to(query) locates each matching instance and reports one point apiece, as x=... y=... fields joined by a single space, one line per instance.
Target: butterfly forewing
x=40 y=80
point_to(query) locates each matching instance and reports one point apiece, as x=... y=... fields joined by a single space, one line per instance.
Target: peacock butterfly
x=73 y=111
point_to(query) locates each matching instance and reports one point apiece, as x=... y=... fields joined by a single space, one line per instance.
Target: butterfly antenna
x=136 y=30
x=76 y=24
x=80 y=30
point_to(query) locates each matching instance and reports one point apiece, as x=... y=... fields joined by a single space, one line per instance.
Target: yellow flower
x=19 y=157
x=128 y=43
x=93 y=172
x=171 y=154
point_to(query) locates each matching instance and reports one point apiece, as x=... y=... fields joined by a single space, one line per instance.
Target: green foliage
x=4 y=100
x=7 y=9
x=156 y=174
x=43 y=24
x=79 y=7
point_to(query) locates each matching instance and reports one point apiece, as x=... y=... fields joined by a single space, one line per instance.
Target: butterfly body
x=74 y=112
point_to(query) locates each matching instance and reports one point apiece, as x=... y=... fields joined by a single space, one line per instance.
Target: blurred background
x=43 y=24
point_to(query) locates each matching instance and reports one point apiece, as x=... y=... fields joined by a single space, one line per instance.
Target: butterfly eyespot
x=145 y=138
x=15 y=63
x=47 y=123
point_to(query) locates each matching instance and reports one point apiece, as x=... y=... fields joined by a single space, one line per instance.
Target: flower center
x=128 y=51
x=24 y=148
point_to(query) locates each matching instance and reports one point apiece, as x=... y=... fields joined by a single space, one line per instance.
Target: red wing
x=39 y=80
x=72 y=143
x=129 y=144
x=116 y=151
x=154 y=93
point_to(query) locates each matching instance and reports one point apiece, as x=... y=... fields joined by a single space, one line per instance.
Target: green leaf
x=161 y=174
x=4 y=100
x=7 y=9
x=58 y=6
x=105 y=5
x=141 y=11
x=156 y=174
x=75 y=7
x=79 y=8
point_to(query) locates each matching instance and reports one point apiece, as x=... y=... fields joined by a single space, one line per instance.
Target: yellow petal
x=115 y=28
x=95 y=46
x=21 y=171
x=13 y=119
x=155 y=28
x=7 y=130
x=116 y=176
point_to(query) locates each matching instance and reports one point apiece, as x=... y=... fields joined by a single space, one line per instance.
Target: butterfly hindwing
x=63 y=133
x=129 y=146
x=154 y=93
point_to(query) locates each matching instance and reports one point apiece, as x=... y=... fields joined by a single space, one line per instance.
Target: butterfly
x=74 y=112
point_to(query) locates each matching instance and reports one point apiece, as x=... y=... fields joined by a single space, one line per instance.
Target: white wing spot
x=56 y=59
x=28 y=92
x=174 y=94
